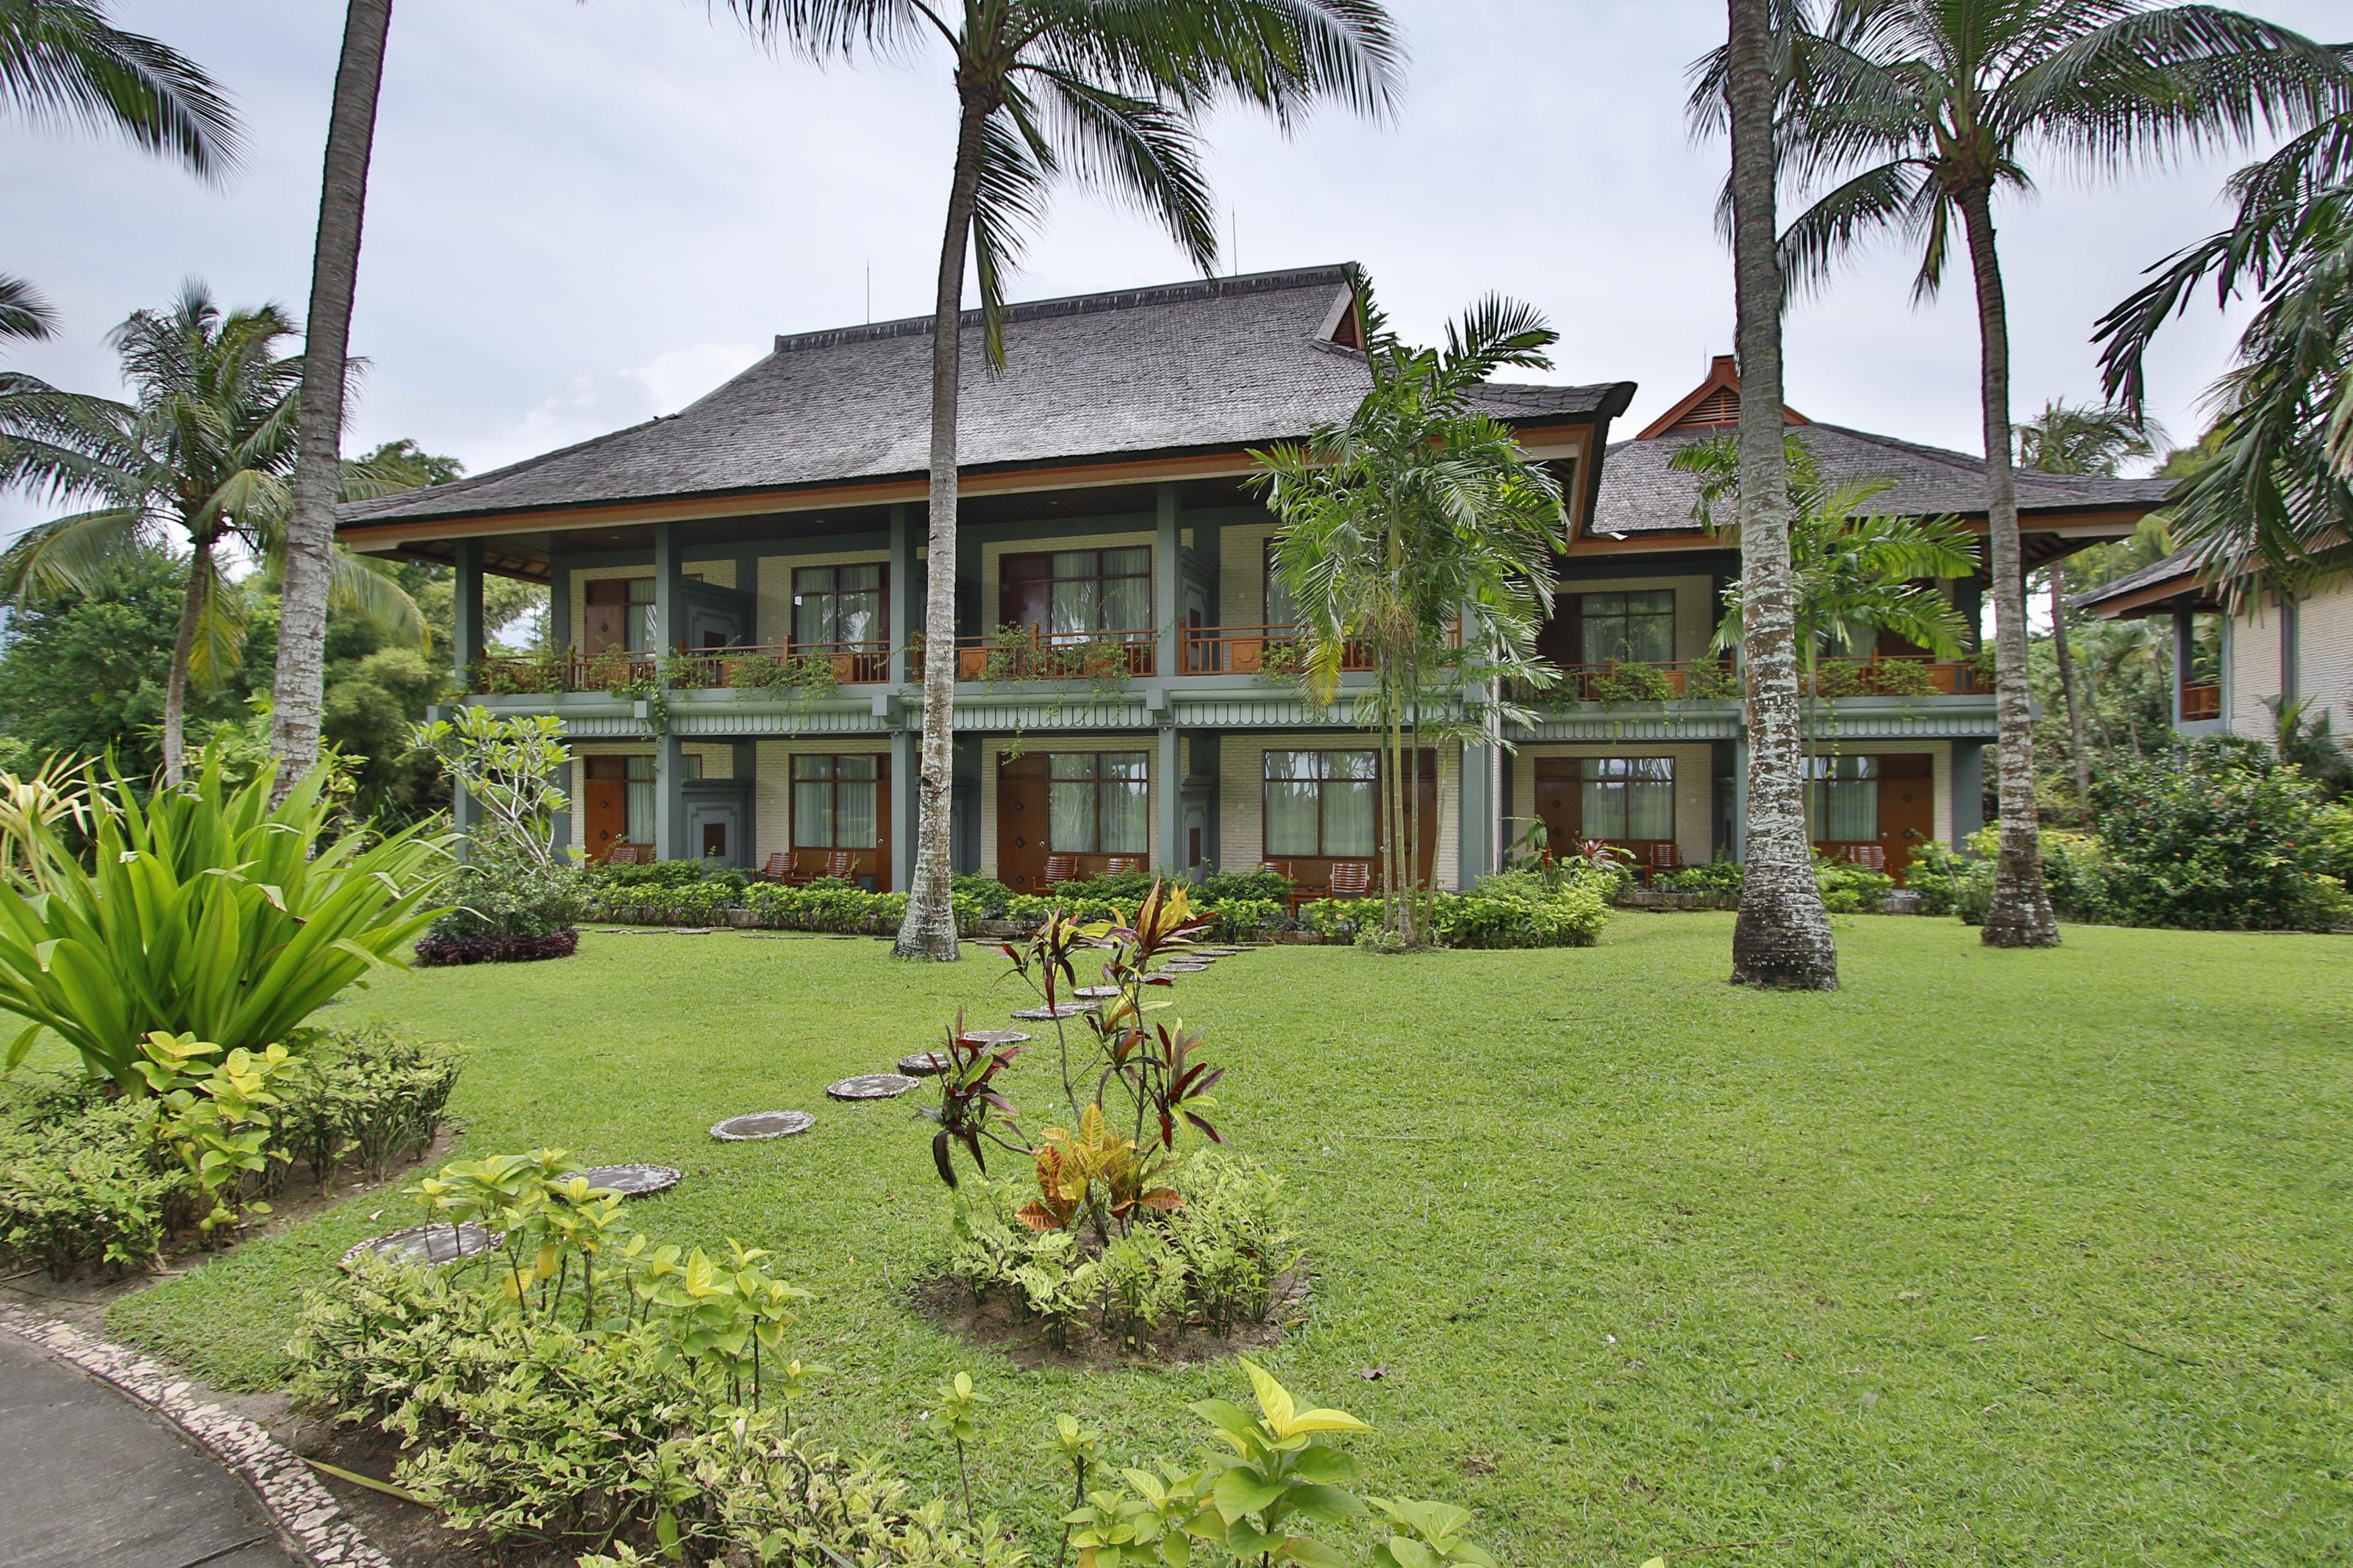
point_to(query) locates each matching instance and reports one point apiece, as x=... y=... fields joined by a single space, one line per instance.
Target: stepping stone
x=1214 y=952
x=427 y=1246
x=758 y=1124
x=690 y=930
x=871 y=1086
x=989 y=1040
x=1182 y=966
x=1058 y=1010
x=922 y=1064
x=1097 y=993
x=632 y=1181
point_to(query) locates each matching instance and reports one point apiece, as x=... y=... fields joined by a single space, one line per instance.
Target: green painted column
x=1168 y=587
x=669 y=580
x=906 y=764
x=1168 y=801
x=465 y=648
x=1480 y=821
x=905 y=606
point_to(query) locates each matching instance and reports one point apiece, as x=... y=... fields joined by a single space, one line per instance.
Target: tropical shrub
x=1902 y=678
x=2221 y=836
x=516 y=898
x=203 y=912
x=987 y=894
x=1218 y=886
x=1634 y=683
x=1715 y=878
x=509 y=911
x=1129 y=887
x=1946 y=879
x=1849 y=889
x=1710 y=681
x=1498 y=913
x=606 y=880
x=368 y=1098
x=1245 y=920
x=80 y=1187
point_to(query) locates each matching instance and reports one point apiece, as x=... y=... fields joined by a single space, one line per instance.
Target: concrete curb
x=309 y=1520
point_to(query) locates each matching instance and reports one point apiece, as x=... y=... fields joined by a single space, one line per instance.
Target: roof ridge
x=1079 y=305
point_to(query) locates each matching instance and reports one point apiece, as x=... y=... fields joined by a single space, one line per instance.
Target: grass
x=1987 y=1257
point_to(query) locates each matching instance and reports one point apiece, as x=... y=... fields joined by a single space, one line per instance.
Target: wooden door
x=1556 y=802
x=1907 y=807
x=1021 y=821
x=1024 y=592
x=605 y=616
x=605 y=807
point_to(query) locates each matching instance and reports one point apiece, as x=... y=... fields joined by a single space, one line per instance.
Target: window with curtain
x=1095 y=802
x=1842 y=799
x=1321 y=803
x=835 y=801
x=1630 y=798
x=837 y=604
x=1627 y=629
x=1097 y=591
x=637 y=792
x=1282 y=609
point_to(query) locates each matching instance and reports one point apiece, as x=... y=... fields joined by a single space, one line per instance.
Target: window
x=1095 y=802
x=621 y=613
x=1073 y=595
x=637 y=774
x=1842 y=799
x=835 y=801
x=1320 y=803
x=1627 y=629
x=1626 y=798
x=1282 y=609
x=837 y=604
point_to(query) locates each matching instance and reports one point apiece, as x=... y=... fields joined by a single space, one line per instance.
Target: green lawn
x=2015 y=1257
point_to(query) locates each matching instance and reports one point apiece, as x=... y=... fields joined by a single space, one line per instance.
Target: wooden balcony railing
x=2201 y=699
x=1040 y=656
x=745 y=667
x=1271 y=651
x=1714 y=679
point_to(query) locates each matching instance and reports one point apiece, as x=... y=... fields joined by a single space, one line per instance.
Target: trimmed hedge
x=437 y=951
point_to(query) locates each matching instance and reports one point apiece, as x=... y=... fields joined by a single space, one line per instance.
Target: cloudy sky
x=583 y=214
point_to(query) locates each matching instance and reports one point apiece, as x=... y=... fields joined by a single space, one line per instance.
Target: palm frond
x=1015 y=163
x=24 y=314
x=821 y=30
x=1496 y=333
x=1139 y=154
x=62 y=64
x=224 y=615
x=366 y=587
x=1885 y=199
x=73 y=555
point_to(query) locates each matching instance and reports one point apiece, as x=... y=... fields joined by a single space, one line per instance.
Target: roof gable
x=1713 y=403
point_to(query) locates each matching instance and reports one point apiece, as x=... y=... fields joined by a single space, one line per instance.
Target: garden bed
x=996 y=1324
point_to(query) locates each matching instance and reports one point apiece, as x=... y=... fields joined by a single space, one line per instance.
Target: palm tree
x=1782 y=937
x=299 y=687
x=1110 y=93
x=204 y=451
x=2065 y=439
x=1416 y=515
x=2276 y=498
x=1914 y=112
x=62 y=63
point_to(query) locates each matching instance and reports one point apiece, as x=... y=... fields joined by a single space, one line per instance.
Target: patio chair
x=779 y=868
x=1061 y=868
x=840 y=863
x=1349 y=880
x=1871 y=857
x=630 y=854
x=1124 y=865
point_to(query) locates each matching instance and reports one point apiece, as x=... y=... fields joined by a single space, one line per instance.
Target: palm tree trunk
x=1782 y=937
x=929 y=928
x=298 y=689
x=2020 y=914
x=2075 y=732
x=183 y=648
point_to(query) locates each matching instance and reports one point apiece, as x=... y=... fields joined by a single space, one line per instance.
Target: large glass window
x=1627 y=629
x=1321 y=803
x=1282 y=609
x=837 y=604
x=1626 y=798
x=1097 y=591
x=1842 y=799
x=638 y=776
x=1095 y=802
x=835 y=801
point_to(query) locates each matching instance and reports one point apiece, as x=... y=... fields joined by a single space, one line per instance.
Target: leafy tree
x=1782 y=937
x=1914 y=112
x=2275 y=498
x=63 y=63
x=300 y=685
x=1416 y=515
x=83 y=671
x=1110 y=93
x=202 y=452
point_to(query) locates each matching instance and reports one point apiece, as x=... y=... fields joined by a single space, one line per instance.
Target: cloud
x=593 y=403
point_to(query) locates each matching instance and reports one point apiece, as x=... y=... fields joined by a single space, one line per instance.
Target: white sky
x=583 y=214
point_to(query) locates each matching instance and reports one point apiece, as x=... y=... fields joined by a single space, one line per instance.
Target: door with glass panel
x=841 y=819
x=1085 y=812
x=1870 y=809
x=838 y=615
x=1617 y=628
x=1323 y=806
x=1627 y=802
x=1066 y=602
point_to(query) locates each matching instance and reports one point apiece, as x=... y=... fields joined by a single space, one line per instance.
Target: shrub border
x=310 y=1523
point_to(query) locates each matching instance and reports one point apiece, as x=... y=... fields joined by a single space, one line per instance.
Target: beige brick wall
x=992 y=751
x=719 y=572
x=2256 y=649
x=773 y=612
x=772 y=786
x=1694 y=790
x=1241 y=574
x=2324 y=654
x=1241 y=796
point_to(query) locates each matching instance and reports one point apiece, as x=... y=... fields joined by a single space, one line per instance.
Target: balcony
x=1273 y=652
x=1717 y=680
x=1015 y=654
x=750 y=668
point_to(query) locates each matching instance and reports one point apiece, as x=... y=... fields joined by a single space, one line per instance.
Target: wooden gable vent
x=1713 y=404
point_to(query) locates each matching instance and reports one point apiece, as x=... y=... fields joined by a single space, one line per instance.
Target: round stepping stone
x=989 y=1040
x=870 y=1086
x=1182 y=966
x=922 y=1064
x=632 y=1181
x=1058 y=1010
x=1214 y=952
x=428 y=1245
x=1097 y=993
x=758 y=1124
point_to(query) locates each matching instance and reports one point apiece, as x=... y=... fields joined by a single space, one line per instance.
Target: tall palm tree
x=203 y=450
x=2276 y=500
x=1110 y=93
x=63 y=63
x=1914 y=112
x=1782 y=937
x=1416 y=515
x=2067 y=439
x=299 y=686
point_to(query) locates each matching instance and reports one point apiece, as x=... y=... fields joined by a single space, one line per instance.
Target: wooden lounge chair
x=779 y=868
x=1124 y=865
x=1061 y=868
x=1871 y=857
x=1349 y=880
x=630 y=854
x=840 y=863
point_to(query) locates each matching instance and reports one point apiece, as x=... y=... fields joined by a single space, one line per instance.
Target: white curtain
x=854 y=815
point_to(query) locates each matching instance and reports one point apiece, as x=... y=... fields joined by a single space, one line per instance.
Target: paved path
x=94 y=1479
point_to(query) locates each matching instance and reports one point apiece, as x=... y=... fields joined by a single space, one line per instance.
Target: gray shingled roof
x=1640 y=494
x=1206 y=364
x=2174 y=565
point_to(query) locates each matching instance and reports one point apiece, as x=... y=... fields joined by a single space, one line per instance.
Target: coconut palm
x=1782 y=937
x=2276 y=500
x=62 y=63
x=2067 y=439
x=1416 y=515
x=299 y=687
x=1109 y=92
x=1913 y=113
x=203 y=451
